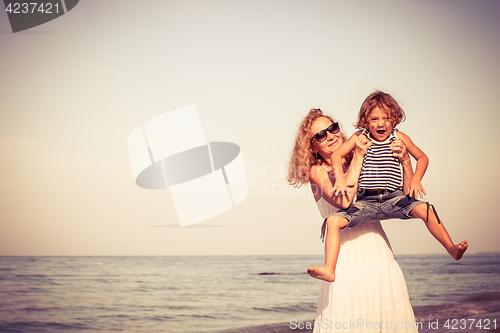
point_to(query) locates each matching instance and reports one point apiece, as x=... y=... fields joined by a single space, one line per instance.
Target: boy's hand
x=361 y=145
x=416 y=189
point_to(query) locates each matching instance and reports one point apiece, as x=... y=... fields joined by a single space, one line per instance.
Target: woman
x=369 y=293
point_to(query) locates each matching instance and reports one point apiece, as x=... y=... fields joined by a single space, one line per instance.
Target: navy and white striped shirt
x=380 y=169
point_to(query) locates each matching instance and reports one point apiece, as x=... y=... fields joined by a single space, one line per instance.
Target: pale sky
x=73 y=89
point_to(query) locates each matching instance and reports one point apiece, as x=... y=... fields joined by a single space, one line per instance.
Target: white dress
x=369 y=293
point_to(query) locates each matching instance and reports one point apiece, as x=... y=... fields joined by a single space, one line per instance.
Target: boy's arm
x=336 y=162
x=361 y=146
x=416 y=187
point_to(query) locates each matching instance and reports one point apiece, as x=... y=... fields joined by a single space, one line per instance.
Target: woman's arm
x=416 y=187
x=322 y=184
x=399 y=151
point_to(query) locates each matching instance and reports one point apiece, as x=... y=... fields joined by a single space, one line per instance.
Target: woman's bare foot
x=322 y=272
x=458 y=250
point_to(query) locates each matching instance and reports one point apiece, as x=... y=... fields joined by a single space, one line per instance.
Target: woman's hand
x=341 y=187
x=399 y=151
x=416 y=189
x=361 y=145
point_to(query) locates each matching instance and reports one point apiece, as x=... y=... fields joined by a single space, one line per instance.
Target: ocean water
x=214 y=293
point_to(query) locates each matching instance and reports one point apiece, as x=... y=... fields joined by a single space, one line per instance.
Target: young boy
x=380 y=193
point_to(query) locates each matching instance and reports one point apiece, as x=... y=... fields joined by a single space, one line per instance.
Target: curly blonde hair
x=303 y=158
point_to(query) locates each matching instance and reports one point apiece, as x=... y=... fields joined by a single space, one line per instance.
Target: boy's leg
x=439 y=231
x=332 y=248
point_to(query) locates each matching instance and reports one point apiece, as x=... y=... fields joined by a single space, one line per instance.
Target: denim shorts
x=382 y=206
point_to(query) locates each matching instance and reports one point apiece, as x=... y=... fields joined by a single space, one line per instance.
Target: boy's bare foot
x=322 y=272
x=458 y=250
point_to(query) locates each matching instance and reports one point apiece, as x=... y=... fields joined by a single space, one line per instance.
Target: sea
x=215 y=293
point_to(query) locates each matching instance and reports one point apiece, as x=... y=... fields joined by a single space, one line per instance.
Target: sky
x=73 y=89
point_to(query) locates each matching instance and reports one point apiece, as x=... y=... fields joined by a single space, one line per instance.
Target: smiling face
x=332 y=142
x=379 y=124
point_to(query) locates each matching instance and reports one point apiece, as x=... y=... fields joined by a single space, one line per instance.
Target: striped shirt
x=380 y=169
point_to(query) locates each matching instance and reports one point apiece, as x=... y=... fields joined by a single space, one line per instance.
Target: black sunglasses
x=322 y=135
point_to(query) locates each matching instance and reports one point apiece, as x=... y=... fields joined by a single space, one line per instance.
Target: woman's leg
x=439 y=231
x=332 y=248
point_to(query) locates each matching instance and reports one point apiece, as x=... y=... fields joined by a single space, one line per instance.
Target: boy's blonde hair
x=384 y=102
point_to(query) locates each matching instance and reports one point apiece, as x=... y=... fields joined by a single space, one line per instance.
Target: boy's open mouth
x=381 y=132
